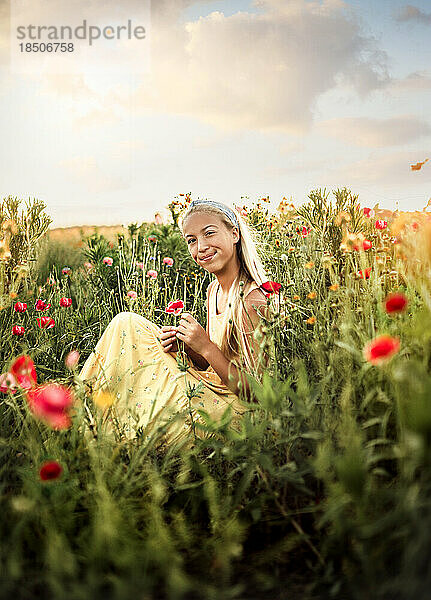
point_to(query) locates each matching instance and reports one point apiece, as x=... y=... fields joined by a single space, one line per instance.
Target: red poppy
x=152 y=238
x=364 y=274
x=20 y=307
x=41 y=305
x=50 y=403
x=381 y=224
x=175 y=307
x=50 y=470
x=24 y=372
x=396 y=302
x=271 y=287
x=45 y=322
x=381 y=349
x=66 y=270
x=65 y=301
x=18 y=330
x=368 y=212
x=304 y=231
x=366 y=245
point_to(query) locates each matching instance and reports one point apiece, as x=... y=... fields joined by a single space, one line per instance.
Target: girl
x=136 y=360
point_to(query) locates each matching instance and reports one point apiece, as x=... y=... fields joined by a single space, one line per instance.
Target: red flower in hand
x=175 y=307
x=50 y=470
x=41 y=305
x=381 y=349
x=65 y=301
x=45 y=322
x=24 y=372
x=50 y=403
x=396 y=302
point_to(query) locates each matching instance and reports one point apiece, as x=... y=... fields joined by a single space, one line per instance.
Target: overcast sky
x=223 y=99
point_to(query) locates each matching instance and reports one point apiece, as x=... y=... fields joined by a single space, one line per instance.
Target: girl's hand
x=192 y=334
x=168 y=339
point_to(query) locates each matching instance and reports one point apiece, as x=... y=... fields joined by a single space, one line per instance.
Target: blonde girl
x=136 y=361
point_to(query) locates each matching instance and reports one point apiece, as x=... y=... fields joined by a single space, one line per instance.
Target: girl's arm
x=198 y=359
x=221 y=365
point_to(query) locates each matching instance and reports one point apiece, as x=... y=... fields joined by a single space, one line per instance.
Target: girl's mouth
x=209 y=258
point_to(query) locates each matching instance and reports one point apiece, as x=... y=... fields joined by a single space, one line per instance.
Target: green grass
x=324 y=493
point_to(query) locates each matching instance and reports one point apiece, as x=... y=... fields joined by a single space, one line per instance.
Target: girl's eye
x=207 y=233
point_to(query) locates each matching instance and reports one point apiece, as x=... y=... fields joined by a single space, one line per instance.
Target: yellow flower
x=341 y=218
x=311 y=295
x=10 y=226
x=311 y=320
x=103 y=399
x=309 y=265
x=334 y=287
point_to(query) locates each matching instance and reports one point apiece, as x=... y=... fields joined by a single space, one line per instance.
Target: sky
x=231 y=100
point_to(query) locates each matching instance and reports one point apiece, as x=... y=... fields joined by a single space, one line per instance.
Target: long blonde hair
x=251 y=270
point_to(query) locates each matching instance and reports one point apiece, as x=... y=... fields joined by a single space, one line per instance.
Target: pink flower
x=20 y=307
x=108 y=261
x=24 y=372
x=152 y=273
x=45 y=322
x=50 y=403
x=175 y=307
x=168 y=261
x=381 y=224
x=8 y=383
x=140 y=265
x=88 y=266
x=72 y=359
x=41 y=305
x=65 y=301
x=381 y=349
x=158 y=219
x=66 y=270
x=18 y=330
x=369 y=212
x=50 y=470
x=132 y=294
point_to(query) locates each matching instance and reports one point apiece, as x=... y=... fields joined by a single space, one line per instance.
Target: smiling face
x=211 y=244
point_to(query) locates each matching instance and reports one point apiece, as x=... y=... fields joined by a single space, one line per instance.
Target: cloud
x=376 y=133
x=258 y=71
x=393 y=168
x=413 y=82
x=87 y=172
x=412 y=13
x=96 y=118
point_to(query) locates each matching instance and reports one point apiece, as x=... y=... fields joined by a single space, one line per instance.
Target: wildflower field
x=326 y=490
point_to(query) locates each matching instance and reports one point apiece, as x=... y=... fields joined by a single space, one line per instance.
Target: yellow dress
x=146 y=383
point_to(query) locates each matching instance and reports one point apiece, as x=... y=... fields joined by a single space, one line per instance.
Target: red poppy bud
x=50 y=470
